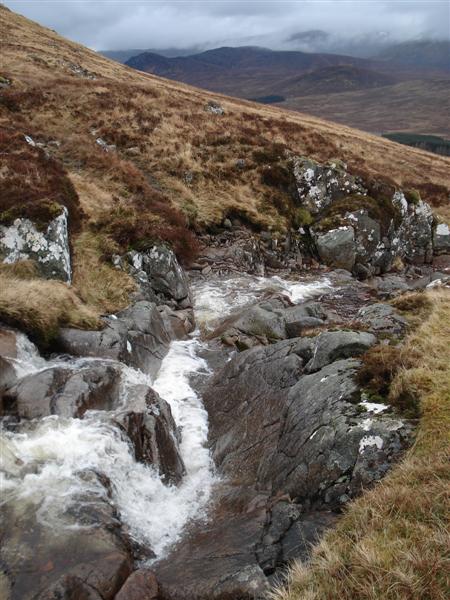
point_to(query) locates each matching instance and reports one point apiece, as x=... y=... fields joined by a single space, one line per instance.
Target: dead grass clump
x=392 y=543
x=415 y=306
x=22 y=269
x=40 y=307
x=99 y=284
x=434 y=194
x=33 y=185
x=379 y=366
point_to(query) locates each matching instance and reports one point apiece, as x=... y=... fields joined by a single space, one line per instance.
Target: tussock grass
x=99 y=284
x=393 y=543
x=40 y=307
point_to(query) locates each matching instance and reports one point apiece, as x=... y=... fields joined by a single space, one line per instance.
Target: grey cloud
x=111 y=24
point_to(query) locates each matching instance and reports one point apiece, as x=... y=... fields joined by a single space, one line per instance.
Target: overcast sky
x=110 y=24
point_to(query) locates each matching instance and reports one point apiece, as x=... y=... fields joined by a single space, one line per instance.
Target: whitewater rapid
x=44 y=462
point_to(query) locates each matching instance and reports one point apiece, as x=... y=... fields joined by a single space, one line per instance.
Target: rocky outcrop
x=159 y=275
x=49 y=249
x=354 y=231
x=148 y=423
x=136 y=336
x=319 y=185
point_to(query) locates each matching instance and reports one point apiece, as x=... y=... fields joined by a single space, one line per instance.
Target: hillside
x=378 y=95
x=411 y=106
x=221 y=325
x=430 y=54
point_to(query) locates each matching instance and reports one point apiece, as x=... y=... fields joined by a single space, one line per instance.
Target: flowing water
x=44 y=462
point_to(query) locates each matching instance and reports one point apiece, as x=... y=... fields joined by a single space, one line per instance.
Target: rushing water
x=44 y=461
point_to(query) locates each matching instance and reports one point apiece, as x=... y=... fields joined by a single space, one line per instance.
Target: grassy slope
x=392 y=544
x=174 y=134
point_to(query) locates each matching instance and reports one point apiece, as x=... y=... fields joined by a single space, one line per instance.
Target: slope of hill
x=335 y=79
x=411 y=106
x=432 y=54
x=406 y=96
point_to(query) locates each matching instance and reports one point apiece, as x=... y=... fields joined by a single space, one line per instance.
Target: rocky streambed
x=154 y=460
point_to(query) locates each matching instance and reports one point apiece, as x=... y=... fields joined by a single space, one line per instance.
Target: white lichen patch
x=369 y=441
x=50 y=249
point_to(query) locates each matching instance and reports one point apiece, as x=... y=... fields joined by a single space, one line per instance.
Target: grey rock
x=49 y=249
x=137 y=336
x=319 y=185
x=149 y=424
x=335 y=345
x=215 y=108
x=337 y=248
x=391 y=285
x=441 y=239
x=296 y=328
x=382 y=318
x=178 y=323
x=259 y=321
x=158 y=273
x=7 y=376
x=64 y=391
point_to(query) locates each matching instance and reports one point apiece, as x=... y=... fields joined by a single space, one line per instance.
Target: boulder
x=382 y=318
x=65 y=391
x=8 y=343
x=215 y=108
x=441 y=239
x=7 y=377
x=335 y=345
x=414 y=238
x=159 y=275
x=319 y=185
x=337 y=248
x=389 y=286
x=148 y=423
x=49 y=249
x=137 y=337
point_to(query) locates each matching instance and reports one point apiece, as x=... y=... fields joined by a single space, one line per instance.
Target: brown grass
x=167 y=140
x=392 y=543
x=41 y=307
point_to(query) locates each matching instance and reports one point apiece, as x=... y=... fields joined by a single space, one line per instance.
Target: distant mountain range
x=333 y=86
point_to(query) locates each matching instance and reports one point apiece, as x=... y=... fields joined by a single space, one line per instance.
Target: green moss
x=302 y=217
x=412 y=196
x=381 y=210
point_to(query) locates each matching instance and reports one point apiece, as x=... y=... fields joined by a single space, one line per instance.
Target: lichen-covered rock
x=413 y=240
x=159 y=275
x=441 y=239
x=215 y=108
x=357 y=232
x=49 y=248
x=337 y=248
x=319 y=185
